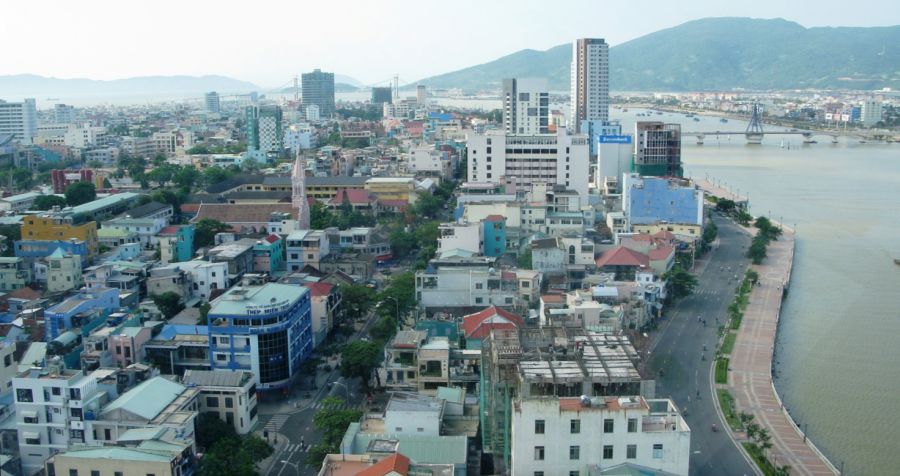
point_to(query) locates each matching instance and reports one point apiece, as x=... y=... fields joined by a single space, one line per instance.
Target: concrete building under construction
x=549 y=361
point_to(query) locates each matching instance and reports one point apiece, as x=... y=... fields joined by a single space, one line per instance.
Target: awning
x=29 y=435
x=29 y=413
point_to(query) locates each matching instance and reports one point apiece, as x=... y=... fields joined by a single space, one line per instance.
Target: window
x=574 y=452
x=608 y=425
x=539 y=453
x=229 y=402
x=632 y=425
x=24 y=395
x=607 y=452
x=657 y=451
x=73 y=472
x=56 y=390
x=631 y=452
x=107 y=434
x=574 y=426
x=573 y=473
x=7 y=360
x=538 y=473
x=94 y=472
x=118 y=473
x=212 y=401
x=539 y=427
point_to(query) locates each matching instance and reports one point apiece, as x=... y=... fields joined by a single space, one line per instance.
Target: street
x=291 y=420
x=683 y=369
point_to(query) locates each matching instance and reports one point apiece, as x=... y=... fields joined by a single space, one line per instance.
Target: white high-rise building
x=519 y=161
x=64 y=113
x=312 y=113
x=871 y=112
x=590 y=81
x=19 y=119
x=526 y=106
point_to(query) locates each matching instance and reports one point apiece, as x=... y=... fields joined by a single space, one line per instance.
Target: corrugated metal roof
x=147 y=399
x=211 y=378
x=115 y=453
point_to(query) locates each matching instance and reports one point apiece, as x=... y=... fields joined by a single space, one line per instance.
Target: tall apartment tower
x=265 y=132
x=871 y=112
x=63 y=113
x=212 y=102
x=421 y=94
x=381 y=95
x=657 y=149
x=19 y=119
x=526 y=106
x=590 y=81
x=318 y=89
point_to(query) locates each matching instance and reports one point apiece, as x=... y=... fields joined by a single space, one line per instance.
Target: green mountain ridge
x=715 y=54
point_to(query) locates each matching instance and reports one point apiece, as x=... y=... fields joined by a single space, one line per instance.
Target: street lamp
x=336 y=382
x=293 y=465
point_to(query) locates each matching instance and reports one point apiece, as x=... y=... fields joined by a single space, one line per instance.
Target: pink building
x=127 y=347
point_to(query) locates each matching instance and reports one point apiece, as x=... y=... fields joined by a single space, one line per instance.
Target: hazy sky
x=267 y=42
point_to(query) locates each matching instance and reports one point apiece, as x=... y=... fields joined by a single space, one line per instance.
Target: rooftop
x=239 y=300
x=148 y=399
x=118 y=453
x=209 y=378
x=413 y=402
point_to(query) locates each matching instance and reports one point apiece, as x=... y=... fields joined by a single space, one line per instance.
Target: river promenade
x=750 y=369
x=750 y=376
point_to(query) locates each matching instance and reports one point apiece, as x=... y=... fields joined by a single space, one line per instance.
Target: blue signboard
x=615 y=139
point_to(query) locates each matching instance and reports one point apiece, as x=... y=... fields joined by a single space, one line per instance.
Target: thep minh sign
x=614 y=139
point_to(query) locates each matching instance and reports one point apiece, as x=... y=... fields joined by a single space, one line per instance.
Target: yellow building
x=51 y=228
x=159 y=458
x=388 y=189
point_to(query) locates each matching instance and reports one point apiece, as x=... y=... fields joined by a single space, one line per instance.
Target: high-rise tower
x=590 y=82
x=298 y=195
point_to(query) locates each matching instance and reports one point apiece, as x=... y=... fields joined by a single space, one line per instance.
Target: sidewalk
x=750 y=376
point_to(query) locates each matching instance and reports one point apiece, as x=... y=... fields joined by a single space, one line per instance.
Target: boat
x=624 y=110
x=897 y=261
x=696 y=119
x=723 y=120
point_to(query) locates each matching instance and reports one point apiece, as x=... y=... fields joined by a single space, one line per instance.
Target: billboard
x=614 y=139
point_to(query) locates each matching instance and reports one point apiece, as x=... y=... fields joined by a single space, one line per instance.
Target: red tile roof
x=552 y=298
x=320 y=288
x=396 y=463
x=480 y=324
x=242 y=212
x=354 y=196
x=622 y=256
x=664 y=235
x=661 y=253
x=169 y=230
x=272 y=238
x=494 y=218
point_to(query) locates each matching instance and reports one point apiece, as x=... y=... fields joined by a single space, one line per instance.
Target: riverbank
x=751 y=365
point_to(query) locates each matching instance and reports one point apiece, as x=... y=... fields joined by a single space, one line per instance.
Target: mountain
x=32 y=85
x=716 y=54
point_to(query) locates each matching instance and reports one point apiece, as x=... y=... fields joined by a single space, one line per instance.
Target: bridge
x=754 y=133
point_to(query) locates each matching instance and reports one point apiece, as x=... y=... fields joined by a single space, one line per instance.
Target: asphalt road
x=678 y=352
x=296 y=424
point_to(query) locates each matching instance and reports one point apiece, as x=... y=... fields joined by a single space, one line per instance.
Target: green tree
x=204 y=314
x=384 y=328
x=358 y=359
x=215 y=174
x=198 y=149
x=210 y=428
x=681 y=283
x=46 y=202
x=757 y=250
x=205 y=231
x=356 y=299
x=742 y=217
x=168 y=303
x=524 y=260
x=427 y=233
x=724 y=205
x=402 y=242
x=427 y=205
x=80 y=192
x=710 y=233
x=320 y=217
x=332 y=421
x=186 y=177
x=23 y=179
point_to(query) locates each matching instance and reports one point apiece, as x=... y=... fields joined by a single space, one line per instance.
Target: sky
x=268 y=42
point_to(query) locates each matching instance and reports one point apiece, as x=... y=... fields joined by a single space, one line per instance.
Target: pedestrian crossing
x=296 y=447
x=276 y=422
x=344 y=406
x=706 y=292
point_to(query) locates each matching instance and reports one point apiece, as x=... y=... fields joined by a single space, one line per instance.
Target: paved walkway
x=718 y=190
x=751 y=366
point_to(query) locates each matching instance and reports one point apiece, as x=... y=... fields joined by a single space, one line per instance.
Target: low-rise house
x=14 y=274
x=268 y=255
x=145 y=228
x=238 y=255
x=326 y=309
x=62 y=316
x=478 y=325
x=623 y=262
x=176 y=243
x=306 y=247
x=178 y=348
x=231 y=396
x=63 y=271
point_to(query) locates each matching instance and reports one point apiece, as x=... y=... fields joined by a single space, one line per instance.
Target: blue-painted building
x=652 y=200
x=268 y=255
x=494 y=233
x=85 y=310
x=264 y=329
x=32 y=249
x=176 y=243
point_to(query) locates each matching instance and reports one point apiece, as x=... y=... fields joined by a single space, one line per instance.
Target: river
x=838 y=346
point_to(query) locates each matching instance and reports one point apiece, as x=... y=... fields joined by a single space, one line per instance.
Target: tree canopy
x=332 y=420
x=205 y=231
x=681 y=283
x=168 y=303
x=46 y=202
x=79 y=193
x=358 y=359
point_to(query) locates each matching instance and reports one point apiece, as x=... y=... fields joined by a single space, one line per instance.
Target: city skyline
x=356 y=44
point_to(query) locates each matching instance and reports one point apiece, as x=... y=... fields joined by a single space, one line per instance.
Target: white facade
x=452 y=286
x=51 y=405
x=521 y=161
x=312 y=113
x=590 y=81
x=464 y=236
x=526 y=106
x=428 y=159
x=19 y=119
x=107 y=156
x=305 y=247
x=565 y=435
x=300 y=137
x=84 y=135
x=146 y=228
